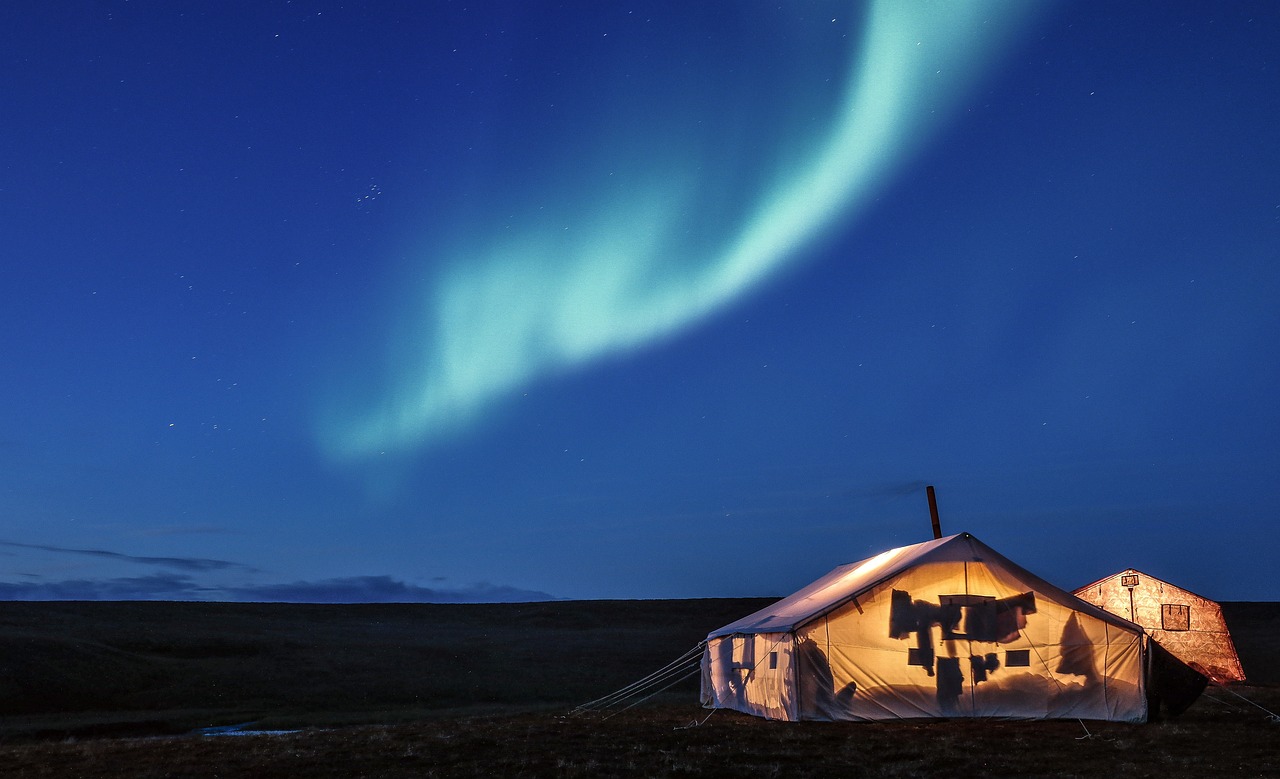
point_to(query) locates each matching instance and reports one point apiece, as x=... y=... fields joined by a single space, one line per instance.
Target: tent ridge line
x=1145 y=574
x=851 y=598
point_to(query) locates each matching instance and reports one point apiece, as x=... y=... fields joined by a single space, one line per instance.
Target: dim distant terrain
x=93 y=689
x=84 y=668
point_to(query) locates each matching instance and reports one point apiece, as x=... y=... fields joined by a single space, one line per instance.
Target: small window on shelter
x=743 y=652
x=1017 y=658
x=1175 y=616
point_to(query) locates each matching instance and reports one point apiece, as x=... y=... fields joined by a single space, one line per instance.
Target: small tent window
x=744 y=652
x=773 y=661
x=1017 y=658
x=1175 y=616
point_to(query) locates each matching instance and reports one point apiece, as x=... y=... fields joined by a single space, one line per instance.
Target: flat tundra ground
x=487 y=690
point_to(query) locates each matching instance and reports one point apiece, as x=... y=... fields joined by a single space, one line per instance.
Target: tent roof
x=1144 y=577
x=846 y=582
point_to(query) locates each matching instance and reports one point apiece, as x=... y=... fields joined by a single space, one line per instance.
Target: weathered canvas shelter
x=1188 y=626
x=946 y=628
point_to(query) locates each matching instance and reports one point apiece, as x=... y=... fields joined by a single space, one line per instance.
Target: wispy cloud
x=383 y=589
x=180 y=563
x=887 y=491
x=157 y=587
x=355 y=589
x=187 y=530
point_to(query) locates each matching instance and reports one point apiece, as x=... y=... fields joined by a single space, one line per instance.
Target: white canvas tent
x=946 y=628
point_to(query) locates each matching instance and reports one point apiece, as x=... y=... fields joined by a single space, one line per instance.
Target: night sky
x=346 y=301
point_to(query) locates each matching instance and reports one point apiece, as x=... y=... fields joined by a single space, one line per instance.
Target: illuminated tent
x=946 y=628
x=1190 y=627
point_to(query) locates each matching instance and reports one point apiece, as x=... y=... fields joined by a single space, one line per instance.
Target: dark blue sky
x=475 y=301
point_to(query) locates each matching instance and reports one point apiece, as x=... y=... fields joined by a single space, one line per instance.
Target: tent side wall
x=751 y=673
x=967 y=639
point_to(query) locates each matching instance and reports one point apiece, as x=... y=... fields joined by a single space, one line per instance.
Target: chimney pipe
x=933 y=511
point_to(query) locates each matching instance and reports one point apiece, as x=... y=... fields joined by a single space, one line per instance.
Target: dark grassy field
x=109 y=689
x=84 y=669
